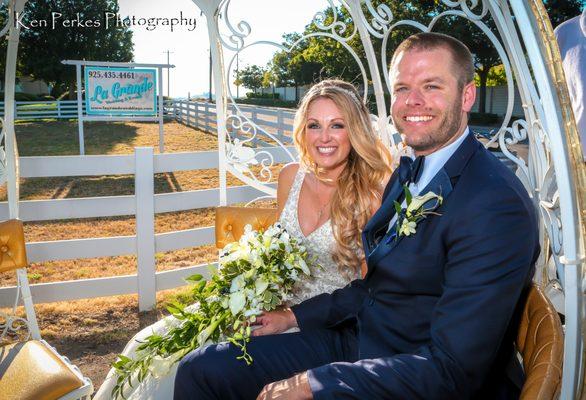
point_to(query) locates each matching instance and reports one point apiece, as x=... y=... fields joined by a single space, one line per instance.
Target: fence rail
x=274 y=123
x=145 y=244
x=200 y=115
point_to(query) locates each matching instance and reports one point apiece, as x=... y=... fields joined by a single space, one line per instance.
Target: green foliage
x=19 y=96
x=41 y=49
x=251 y=77
x=252 y=95
x=317 y=58
x=496 y=77
x=254 y=275
x=268 y=102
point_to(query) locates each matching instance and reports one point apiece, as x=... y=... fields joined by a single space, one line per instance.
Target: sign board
x=120 y=91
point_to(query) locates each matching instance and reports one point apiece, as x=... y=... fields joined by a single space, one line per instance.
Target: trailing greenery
x=254 y=275
x=41 y=49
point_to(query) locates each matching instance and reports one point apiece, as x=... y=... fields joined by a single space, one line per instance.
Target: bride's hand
x=275 y=322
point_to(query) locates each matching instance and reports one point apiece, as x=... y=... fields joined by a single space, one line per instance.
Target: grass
x=92 y=331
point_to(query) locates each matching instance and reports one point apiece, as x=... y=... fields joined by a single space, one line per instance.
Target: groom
x=437 y=313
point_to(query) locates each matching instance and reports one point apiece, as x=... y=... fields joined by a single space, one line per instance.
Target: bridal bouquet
x=254 y=275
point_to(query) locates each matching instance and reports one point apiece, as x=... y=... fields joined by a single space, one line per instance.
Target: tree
x=318 y=57
x=42 y=49
x=486 y=58
x=251 y=77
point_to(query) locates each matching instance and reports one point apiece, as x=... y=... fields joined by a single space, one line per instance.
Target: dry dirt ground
x=92 y=332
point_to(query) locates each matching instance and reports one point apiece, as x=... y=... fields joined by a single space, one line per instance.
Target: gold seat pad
x=30 y=371
x=230 y=222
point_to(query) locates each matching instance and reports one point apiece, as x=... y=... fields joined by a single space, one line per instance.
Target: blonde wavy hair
x=359 y=186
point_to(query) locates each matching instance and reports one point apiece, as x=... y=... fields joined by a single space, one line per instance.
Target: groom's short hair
x=461 y=56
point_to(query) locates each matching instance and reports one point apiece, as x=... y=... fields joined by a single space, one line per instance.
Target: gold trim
x=554 y=63
x=551 y=54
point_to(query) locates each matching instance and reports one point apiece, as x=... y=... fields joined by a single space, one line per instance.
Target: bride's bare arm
x=286 y=177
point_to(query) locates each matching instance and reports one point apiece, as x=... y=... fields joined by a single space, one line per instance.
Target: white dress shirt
x=431 y=166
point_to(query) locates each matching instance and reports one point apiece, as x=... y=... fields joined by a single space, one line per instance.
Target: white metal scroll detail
x=10 y=147
x=545 y=172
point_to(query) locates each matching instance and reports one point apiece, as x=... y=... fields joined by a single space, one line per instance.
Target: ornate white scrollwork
x=238 y=33
x=239 y=124
x=382 y=17
x=468 y=9
x=11 y=325
x=544 y=171
x=243 y=157
x=336 y=28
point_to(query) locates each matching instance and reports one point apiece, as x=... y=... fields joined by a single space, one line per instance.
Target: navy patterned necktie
x=410 y=170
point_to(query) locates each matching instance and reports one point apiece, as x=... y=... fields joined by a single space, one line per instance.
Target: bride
x=324 y=200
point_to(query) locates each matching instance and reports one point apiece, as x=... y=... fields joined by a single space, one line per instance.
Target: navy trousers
x=213 y=372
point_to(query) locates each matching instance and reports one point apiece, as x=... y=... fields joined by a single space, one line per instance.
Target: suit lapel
x=442 y=183
x=383 y=215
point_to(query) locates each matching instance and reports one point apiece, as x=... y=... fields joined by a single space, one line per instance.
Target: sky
x=269 y=20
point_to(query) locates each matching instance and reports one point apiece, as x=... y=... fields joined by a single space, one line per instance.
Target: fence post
x=188 y=112
x=280 y=122
x=208 y=127
x=196 y=115
x=144 y=188
x=80 y=103
x=58 y=109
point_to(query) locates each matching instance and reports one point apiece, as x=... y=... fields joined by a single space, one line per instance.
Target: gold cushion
x=30 y=371
x=230 y=222
x=540 y=341
x=12 y=249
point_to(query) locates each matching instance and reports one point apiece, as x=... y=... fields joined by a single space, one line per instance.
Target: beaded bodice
x=319 y=243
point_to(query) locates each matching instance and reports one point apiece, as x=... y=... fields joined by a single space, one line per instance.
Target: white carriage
x=553 y=172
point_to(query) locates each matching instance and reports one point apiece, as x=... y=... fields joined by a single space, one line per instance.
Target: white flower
x=285 y=238
x=407 y=227
x=237 y=302
x=261 y=285
x=303 y=266
x=162 y=365
x=251 y=312
x=225 y=302
x=237 y=283
x=418 y=201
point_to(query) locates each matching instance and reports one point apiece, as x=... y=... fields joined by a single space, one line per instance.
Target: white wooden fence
x=26 y=110
x=199 y=115
x=144 y=204
x=202 y=116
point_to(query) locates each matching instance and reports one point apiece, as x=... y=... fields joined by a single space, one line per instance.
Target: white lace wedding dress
x=324 y=279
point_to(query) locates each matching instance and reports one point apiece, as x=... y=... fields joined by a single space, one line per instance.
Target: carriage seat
x=540 y=338
x=230 y=222
x=31 y=370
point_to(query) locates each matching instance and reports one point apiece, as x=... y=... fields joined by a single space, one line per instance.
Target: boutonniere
x=409 y=217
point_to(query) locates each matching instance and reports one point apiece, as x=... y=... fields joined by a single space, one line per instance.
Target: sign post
x=116 y=91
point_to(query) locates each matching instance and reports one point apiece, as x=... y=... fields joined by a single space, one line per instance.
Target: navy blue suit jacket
x=436 y=315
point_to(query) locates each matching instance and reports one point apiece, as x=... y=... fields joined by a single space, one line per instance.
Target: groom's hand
x=295 y=388
x=275 y=322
